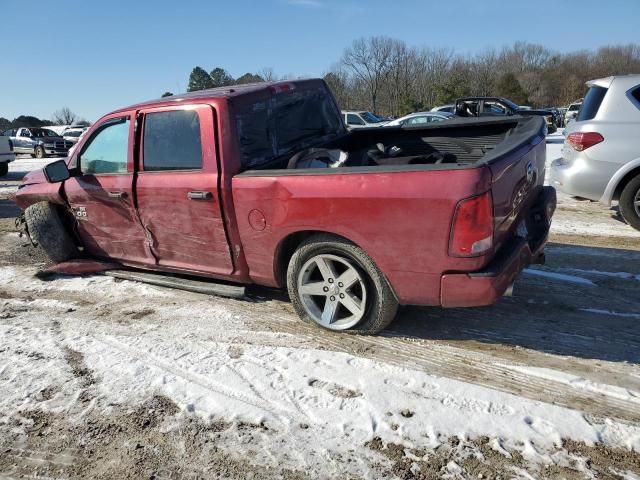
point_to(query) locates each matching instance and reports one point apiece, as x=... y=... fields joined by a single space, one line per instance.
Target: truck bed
x=458 y=143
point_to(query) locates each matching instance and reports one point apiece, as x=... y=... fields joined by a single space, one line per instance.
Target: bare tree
x=370 y=61
x=64 y=116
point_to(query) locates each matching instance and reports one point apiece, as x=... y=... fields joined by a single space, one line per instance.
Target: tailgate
x=517 y=177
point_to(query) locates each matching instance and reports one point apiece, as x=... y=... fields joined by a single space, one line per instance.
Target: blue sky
x=104 y=55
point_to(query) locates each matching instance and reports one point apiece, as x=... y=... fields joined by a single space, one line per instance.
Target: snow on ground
x=136 y=341
x=558 y=276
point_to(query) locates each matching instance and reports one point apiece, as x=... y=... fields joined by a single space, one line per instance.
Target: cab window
x=354 y=119
x=417 y=120
x=172 y=141
x=106 y=151
x=494 y=108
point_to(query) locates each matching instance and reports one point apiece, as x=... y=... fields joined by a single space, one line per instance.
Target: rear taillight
x=472 y=228
x=10 y=146
x=582 y=140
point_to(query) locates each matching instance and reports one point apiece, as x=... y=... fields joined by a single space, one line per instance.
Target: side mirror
x=56 y=172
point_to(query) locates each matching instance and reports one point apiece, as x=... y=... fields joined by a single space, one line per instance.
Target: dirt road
x=108 y=379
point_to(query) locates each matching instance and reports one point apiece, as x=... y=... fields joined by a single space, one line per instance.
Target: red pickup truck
x=264 y=184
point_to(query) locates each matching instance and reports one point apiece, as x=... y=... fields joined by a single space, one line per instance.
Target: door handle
x=120 y=195
x=200 y=195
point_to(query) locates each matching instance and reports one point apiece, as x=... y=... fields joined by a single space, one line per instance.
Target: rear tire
x=4 y=169
x=39 y=152
x=629 y=203
x=47 y=229
x=363 y=303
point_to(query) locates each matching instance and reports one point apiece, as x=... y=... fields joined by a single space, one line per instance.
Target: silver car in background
x=420 y=118
x=601 y=154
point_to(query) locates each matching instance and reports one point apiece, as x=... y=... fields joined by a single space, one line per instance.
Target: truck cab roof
x=231 y=91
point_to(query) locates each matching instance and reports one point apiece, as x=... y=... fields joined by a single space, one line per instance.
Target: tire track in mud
x=467 y=366
x=207 y=384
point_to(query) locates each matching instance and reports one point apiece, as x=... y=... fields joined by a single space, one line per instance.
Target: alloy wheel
x=332 y=291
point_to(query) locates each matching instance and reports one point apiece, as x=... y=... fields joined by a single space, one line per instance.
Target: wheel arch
x=625 y=180
x=290 y=243
x=619 y=181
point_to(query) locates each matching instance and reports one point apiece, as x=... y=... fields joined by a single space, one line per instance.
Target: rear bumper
x=486 y=286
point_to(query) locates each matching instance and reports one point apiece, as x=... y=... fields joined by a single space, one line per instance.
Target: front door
x=101 y=197
x=177 y=189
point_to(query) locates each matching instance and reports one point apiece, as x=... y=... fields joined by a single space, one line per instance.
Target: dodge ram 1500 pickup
x=264 y=184
x=498 y=106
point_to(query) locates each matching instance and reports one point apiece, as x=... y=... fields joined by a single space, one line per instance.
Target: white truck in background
x=6 y=155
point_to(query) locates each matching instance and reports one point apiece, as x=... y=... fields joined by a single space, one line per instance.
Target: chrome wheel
x=332 y=291
x=636 y=203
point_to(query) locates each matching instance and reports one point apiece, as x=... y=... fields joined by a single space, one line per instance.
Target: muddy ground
x=588 y=329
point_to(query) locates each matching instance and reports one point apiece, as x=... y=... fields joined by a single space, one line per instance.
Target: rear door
x=101 y=197
x=177 y=189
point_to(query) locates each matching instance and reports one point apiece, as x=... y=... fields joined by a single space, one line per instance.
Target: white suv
x=601 y=154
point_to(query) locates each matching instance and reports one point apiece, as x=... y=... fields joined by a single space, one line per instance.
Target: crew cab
x=264 y=184
x=6 y=154
x=38 y=142
x=498 y=106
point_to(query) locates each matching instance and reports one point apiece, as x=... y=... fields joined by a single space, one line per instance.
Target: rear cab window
x=591 y=103
x=294 y=119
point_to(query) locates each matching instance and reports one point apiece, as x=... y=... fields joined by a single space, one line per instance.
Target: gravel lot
x=112 y=379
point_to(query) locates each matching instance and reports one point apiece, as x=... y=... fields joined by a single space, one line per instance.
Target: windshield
x=284 y=123
x=42 y=132
x=72 y=134
x=370 y=117
x=574 y=107
x=511 y=105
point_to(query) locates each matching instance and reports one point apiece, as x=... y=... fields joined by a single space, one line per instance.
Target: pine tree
x=199 y=80
x=249 y=78
x=509 y=87
x=221 y=78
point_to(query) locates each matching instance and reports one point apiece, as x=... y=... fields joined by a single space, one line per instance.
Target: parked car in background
x=420 y=118
x=497 y=107
x=73 y=134
x=266 y=185
x=444 y=108
x=601 y=155
x=6 y=154
x=361 y=119
x=561 y=113
x=572 y=112
x=38 y=142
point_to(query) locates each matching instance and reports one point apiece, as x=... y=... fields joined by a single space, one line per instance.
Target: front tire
x=629 y=203
x=335 y=285
x=47 y=229
x=39 y=152
x=4 y=168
